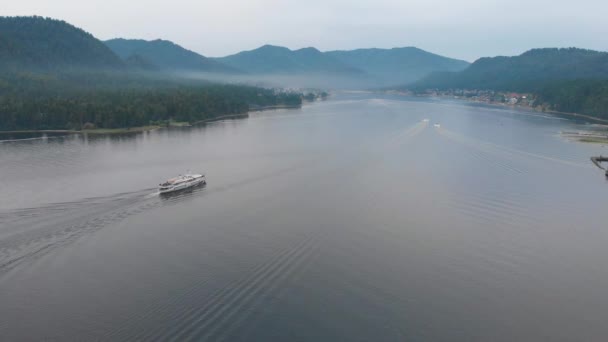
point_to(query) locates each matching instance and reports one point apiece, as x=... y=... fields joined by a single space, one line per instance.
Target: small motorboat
x=437 y=125
x=181 y=182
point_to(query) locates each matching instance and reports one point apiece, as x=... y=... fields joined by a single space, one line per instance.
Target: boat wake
x=30 y=233
x=403 y=136
x=153 y=194
x=488 y=147
x=232 y=306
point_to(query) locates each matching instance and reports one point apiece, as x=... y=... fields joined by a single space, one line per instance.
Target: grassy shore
x=594 y=140
x=595 y=137
x=263 y=108
x=179 y=124
x=223 y=117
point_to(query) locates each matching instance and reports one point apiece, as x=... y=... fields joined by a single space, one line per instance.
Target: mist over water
x=347 y=219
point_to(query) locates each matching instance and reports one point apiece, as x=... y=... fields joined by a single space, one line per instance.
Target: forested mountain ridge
x=567 y=80
x=166 y=55
x=270 y=59
x=44 y=43
x=397 y=65
x=524 y=72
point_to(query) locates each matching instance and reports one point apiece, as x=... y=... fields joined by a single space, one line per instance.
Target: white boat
x=181 y=182
x=437 y=125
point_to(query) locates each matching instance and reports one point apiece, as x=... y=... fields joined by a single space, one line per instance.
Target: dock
x=598 y=162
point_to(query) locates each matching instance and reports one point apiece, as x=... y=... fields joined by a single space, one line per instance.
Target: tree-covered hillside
x=567 y=80
x=109 y=100
x=524 y=72
x=44 y=43
x=56 y=76
x=588 y=97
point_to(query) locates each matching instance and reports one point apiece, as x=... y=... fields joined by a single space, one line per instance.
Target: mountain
x=270 y=59
x=166 y=55
x=44 y=43
x=355 y=68
x=397 y=65
x=525 y=72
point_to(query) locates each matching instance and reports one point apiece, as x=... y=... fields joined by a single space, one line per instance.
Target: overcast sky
x=465 y=29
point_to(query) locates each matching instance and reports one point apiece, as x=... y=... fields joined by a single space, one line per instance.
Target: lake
x=347 y=219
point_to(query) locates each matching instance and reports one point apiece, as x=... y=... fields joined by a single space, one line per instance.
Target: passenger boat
x=181 y=182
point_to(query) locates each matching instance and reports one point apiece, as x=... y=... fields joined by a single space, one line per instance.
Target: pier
x=598 y=162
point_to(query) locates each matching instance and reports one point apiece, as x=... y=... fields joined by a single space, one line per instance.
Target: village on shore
x=527 y=100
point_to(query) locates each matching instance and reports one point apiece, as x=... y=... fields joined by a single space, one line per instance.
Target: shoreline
x=585 y=116
x=261 y=109
x=140 y=129
x=588 y=137
x=219 y=118
x=246 y=114
x=87 y=131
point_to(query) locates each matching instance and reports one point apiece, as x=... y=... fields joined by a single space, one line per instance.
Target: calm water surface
x=349 y=219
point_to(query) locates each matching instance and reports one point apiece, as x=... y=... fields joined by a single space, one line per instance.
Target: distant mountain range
x=372 y=67
x=270 y=59
x=48 y=44
x=397 y=65
x=36 y=51
x=527 y=71
x=165 y=55
x=36 y=43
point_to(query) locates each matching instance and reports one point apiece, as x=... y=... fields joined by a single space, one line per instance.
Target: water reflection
x=179 y=195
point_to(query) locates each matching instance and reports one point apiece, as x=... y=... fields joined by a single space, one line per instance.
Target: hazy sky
x=465 y=29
